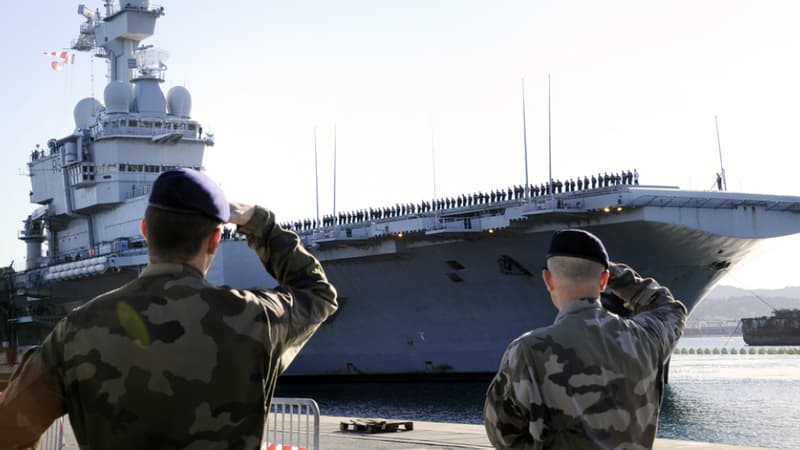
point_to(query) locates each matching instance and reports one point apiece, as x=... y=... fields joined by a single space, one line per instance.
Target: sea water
x=737 y=399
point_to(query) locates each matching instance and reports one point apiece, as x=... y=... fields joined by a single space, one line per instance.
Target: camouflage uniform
x=591 y=379
x=169 y=361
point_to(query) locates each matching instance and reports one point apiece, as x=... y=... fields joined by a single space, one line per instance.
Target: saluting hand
x=241 y=213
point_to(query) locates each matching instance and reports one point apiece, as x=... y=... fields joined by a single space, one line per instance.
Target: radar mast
x=116 y=36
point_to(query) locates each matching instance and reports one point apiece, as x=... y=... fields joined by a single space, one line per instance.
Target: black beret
x=190 y=192
x=578 y=244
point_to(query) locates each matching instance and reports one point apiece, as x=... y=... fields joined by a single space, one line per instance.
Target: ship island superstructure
x=434 y=290
x=92 y=184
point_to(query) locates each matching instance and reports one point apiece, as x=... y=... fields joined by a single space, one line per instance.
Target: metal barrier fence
x=292 y=424
x=53 y=438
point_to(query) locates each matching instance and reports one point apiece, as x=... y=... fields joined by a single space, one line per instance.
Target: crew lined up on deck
x=517 y=192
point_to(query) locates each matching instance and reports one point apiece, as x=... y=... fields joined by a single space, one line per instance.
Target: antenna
x=316 y=170
x=334 y=168
x=721 y=167
x=549 y=140
x=91 y=73
x=433 y=160
x=525 y=143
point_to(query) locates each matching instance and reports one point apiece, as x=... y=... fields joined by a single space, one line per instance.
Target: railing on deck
x=292 y=424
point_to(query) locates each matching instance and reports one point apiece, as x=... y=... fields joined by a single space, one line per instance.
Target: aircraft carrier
x=426 y=292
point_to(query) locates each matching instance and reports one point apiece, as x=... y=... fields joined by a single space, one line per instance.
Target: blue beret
x=188 y=191
x=578 y=244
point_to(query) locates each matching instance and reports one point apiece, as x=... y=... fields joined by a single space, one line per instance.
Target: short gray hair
x=574 y=269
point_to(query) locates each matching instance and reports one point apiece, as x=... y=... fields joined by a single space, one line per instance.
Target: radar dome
x=118 y=96
x=179 y=102
x=86 y=111
x=148 y=98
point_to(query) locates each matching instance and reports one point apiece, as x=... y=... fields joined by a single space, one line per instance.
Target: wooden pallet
x=374 y=426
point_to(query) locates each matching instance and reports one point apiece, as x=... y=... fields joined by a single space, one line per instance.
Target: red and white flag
x=65 y=57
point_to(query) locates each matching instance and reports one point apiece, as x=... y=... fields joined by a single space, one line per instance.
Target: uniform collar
x=577 y=306
x=155 y=269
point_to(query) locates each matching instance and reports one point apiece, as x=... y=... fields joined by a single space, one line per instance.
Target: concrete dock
x=431 y=436
x=441 y=436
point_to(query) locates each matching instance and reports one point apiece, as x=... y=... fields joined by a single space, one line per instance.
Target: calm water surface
x=732 y=399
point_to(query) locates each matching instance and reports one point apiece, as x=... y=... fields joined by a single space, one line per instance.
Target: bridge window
x=88 y=172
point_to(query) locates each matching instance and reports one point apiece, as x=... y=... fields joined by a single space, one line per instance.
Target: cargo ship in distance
x=429 y=293
x=781 y=328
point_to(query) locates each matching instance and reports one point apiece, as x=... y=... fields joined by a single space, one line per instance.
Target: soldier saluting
x=169 y=360
x=592 y=379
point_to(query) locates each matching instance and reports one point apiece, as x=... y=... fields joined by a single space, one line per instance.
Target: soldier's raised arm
x=653 y=306
x=303 y=298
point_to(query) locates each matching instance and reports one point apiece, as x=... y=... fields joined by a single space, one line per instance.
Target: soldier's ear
x=143 y=229
x=603 y=280
x=213 y=241
x=547 y=277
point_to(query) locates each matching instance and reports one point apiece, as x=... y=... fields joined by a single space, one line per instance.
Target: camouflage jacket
x=169 y=361
x=590 y=380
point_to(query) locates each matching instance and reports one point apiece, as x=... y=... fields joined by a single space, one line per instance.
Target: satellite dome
x=118 y=96
x=179 y=102
x=85 y=112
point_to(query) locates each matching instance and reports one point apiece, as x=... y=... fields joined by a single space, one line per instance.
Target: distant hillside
x=730 y=291
x=731 y=303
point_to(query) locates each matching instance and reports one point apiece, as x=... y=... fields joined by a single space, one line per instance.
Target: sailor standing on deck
x=592 y=379
x=170 y=361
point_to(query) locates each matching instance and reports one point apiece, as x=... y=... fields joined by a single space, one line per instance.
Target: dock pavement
x=446 y=436
x=430 y=436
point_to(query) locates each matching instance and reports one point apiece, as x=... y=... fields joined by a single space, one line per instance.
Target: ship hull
x=444 y=309
x=778 y=340
x=782 y=329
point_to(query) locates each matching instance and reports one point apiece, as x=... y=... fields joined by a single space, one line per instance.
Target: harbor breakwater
x=740 y=351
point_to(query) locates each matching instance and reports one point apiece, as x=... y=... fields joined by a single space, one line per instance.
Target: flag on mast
x=65 y=57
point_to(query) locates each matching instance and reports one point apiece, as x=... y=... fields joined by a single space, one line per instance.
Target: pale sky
x=635 y=84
